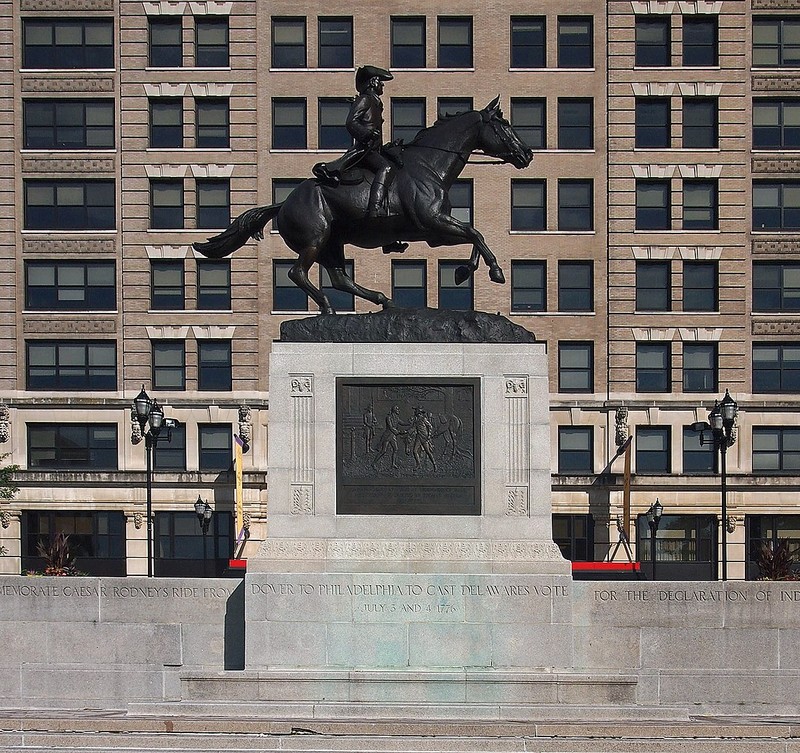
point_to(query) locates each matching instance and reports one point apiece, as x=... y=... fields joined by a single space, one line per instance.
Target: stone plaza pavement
x=68 y=731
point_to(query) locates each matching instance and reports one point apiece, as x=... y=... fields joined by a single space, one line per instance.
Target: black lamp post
x=148 y=411
x=653 y=516
x=204 y=513
x=720 y=425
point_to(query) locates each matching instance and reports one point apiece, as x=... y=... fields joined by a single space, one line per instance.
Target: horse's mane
x=438 y=123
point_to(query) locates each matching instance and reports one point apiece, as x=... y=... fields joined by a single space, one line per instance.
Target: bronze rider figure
x=365 y=125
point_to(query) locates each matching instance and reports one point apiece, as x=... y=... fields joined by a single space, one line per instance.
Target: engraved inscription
x=407 y=447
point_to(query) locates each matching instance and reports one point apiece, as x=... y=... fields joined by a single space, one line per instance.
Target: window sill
x=291 y=70
x=187 y=68
x=674 y=313
x=69 y=232
x=188 y=311
x=335 y=70
x=672 y=232
x=187 y=149
x=553 y=313
x=185 y=230
x=299 y=312
x=70 y=312
x=61 y=152
x=775 y=314
x=67 y=71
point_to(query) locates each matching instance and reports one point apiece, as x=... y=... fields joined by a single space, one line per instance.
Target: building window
x=70 y=286
x=68 y=123
x=653 y=453
x=653 y=40
x=408 y=118
x=776 y=205
x=700 y=286
x=770 y=531
x=460 y=197
x=700 y=123
x=528 y=286
x=169 y=364
x=335 y=42
x=528 y=210
x=575 y=449
x=286 y=296
x=165 y=42
x=776 y=286
x=527 y=42
x=776 y=449
x=288 y=43
x=575 y=286
x=451 y=296
x=776 y=42
x=575 y=124
x=653 y=286
x=575 y=48
x=447 y=107
x=685 y=544
x=214 y=365
x=167 y=285
x=700 y=205
x=184 y=551
x=776 y=123
x=213 y=203
x=289 y=123
x=575 y=367
x=575 y=205
x=455 y=42
x=170 y=454
x=333 y=133
x=700 y=41
x=214 y=285
x=211 y=42
x=574 y=535
x=697 y=458
x=71 y=365
x=96 y=539
x=69 y=205
x=166 y=204
x=212 y=123
x=72 y=447
x=54 y=43
x=528 y=116
x=653 y=367
x=653 y=210
x=700 y=367
x=653 y=123
x=776 y=367
x=215 y=448
x=409 y=284
x=166 y=123
x=341 y=300
x=408 y=42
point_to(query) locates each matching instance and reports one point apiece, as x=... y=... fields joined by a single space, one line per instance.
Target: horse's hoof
x=327 y=310
x=387 y=303
x=463 y=273
x=496 y=274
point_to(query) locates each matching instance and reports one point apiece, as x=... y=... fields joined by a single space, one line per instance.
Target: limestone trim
x=654 y=252
x=704 y=253
x=782 y=82
x=653 y=171
x=775 y=327
x=165 y=90
x=167 y=252
x=700 y=89
x=213 y=332
x=301 y=393
x=642 y=334
x=211 y=90
x=211 y=171
x=5 y=423
x=700 y=334
x=774 y=246
x=166 y=171
x=164 y=8
x=663 y=89
x=700 y=171
x=167 y=333
x=431 y=550
x=211 y=8
x=775 y=164
x=692 y=7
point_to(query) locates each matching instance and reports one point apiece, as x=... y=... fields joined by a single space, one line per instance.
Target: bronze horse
x=316 y=221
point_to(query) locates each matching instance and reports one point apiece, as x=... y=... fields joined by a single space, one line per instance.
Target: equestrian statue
x=380 y=195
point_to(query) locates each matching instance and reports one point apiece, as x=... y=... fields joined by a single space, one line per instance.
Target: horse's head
x=498 y=138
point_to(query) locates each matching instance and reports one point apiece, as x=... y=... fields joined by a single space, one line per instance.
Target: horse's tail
x=248 y=225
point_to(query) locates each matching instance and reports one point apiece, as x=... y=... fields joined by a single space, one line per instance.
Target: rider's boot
x=377 y=198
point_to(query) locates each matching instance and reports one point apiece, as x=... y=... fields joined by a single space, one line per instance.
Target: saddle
x=343 y=170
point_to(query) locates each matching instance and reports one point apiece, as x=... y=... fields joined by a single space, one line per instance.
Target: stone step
x=384 y=713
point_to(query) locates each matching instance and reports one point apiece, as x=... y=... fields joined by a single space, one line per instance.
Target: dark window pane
x=213 y=203
x=528 y=286
x=697 y=458
x=408 y=118
x=700 y=45
x=776 y=124
x=333 y=133
x=211 y=42
x=336 y=42
x=653 y=37
x=289 y=123
x=166 y=204
x=460 y=198
x=776 y=367
x=527 y=42
x=216 y=453
x=214 y=365
x=72 y=446
x=286 y=296
x=70 y=285
x=700 y=205
x=170 y=453
x=528 y=209
x=699 y=367
x=166 y=123
x=575 y=367
x=68 y=44
x=169 y=359
x=653 y=123
x=575 y=286
x=455 y=42
x=776 y=42
x=652 y=449
x=575 y=46
x=166 y=285
x=653 y=210
x=71 y=365
x=528 y=116
x=288 y=43
x=575 y=205
x=653 y=286
x=70 y=205
x=700 y=286
x=166 y=42
x=653 y=367
x=575 y=124
x=213 y=123
x=68 y=124
x=575 y=449
x=446 y=107
x=408 y=42
x=700 y=123
x=451 y=296
x=409 y=284
x=213 y=285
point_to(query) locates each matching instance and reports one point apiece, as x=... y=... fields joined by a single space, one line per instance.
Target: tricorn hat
x=367 y=72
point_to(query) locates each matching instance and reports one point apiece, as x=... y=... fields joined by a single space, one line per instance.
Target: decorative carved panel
x=776 y=246
x=86 y=85
x=301 y=392
x=49 y=165
x=55 y=247
x=776 y=164
x=784 y=82
x=66 y=326
x=776 y=327
x=68 y=5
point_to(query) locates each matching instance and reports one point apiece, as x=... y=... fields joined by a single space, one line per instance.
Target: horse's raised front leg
x=298 y=274
x=453 y=232
x=341 y=281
